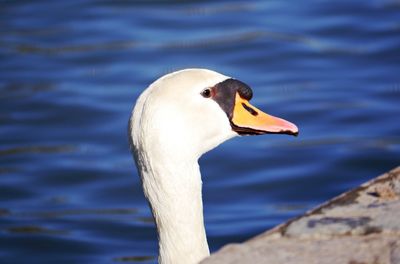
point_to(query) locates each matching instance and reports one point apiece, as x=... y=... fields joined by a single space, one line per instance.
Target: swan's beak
x=248 y=120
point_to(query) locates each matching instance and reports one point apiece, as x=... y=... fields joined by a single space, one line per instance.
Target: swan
x=175 y=120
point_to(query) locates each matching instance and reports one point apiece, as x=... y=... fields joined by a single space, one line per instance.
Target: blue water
x=70 y=72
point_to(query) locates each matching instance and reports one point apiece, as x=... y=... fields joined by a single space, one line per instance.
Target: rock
x=361 y=226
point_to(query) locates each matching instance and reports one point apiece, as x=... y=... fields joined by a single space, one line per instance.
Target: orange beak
x=248 y=120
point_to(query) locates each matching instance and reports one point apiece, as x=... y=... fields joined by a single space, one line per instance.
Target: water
x=70 y=72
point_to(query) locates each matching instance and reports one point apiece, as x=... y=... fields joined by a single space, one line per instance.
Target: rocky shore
x=361 y=226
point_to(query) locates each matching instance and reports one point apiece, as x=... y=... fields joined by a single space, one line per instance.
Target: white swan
x=175 y=120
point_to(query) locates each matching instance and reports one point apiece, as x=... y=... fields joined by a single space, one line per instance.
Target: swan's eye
x=206 y=93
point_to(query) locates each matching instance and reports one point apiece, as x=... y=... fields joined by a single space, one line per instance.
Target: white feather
x=171 y=126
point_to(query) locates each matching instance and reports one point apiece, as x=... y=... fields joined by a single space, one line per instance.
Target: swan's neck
x=173 y=188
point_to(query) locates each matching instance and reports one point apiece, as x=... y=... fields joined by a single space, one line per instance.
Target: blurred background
x=70 y=72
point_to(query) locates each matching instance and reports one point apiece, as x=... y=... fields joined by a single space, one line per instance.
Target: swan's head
x=191 y=111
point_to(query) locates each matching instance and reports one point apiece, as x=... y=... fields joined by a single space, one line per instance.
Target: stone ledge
x=361 y=226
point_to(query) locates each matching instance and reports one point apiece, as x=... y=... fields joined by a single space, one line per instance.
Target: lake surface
x=70 y=72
